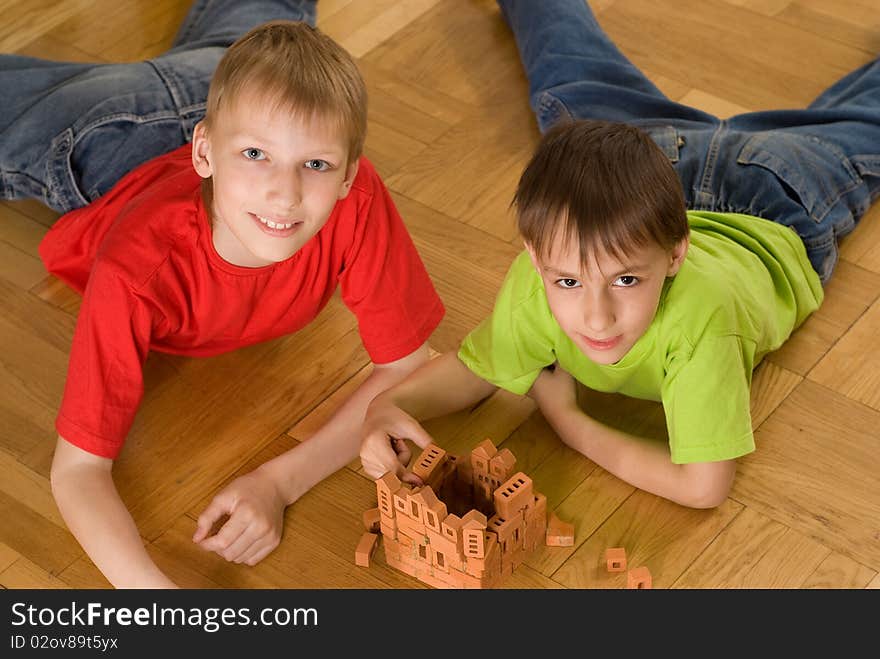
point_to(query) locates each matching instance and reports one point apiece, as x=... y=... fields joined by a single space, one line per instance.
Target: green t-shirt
x=744 y=286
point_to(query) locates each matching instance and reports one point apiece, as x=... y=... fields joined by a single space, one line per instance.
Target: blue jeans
x=816 y=170
x=69 y=131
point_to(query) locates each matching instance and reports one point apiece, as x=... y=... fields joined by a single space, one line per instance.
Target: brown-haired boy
x=621 y=288
x=239 y=237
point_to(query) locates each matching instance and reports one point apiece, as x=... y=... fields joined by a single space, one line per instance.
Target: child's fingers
x=225 y=537
x=404 y=455
x=381 y=458
x=401 y=448
x=214 y=512
x=241 y=546
x=257 y=552
x=417 y=434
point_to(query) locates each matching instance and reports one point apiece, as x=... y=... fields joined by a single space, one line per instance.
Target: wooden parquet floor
x=450 y=129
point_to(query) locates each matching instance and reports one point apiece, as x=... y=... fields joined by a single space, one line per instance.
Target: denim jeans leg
x=826 y=158
x=68 y=132
x=76 y=129
x=576 y=71
x=223 y=21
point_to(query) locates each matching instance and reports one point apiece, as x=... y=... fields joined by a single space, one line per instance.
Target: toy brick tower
x=481 y=527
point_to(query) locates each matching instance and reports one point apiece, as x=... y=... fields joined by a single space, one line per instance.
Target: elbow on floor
x=706 y=498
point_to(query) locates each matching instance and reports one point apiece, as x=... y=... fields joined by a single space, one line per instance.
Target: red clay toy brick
x=639 y=578
x=615 y=559
x=559 y=533
x=365 y=549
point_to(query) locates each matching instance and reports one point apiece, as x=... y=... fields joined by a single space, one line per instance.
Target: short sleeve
x=385 y=283
x=104 y=383
x=706 y=401
x=512 y=345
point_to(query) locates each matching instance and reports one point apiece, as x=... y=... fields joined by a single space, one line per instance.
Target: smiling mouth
x=274 y=227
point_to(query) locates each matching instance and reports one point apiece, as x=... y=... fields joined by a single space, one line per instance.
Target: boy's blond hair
x=606 y=186
x=296 y=68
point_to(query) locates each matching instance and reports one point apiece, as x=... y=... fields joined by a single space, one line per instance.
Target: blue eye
x=317 y=165
x=627 y=281
x=254 y=154
x=567 y=282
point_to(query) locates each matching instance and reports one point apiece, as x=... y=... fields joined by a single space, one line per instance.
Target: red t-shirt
x=144 y=258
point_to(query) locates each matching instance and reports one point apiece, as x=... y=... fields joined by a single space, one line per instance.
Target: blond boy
x=239 y=237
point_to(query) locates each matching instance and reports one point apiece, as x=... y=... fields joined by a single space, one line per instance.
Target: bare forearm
x=643 y=463
x=442 y=386
x=337 y=442
x=99 y=520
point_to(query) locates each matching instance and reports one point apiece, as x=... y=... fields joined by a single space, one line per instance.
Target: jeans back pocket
x=817 y=172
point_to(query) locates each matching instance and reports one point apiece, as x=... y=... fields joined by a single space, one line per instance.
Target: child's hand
x=554 y=389
x=255 y=510
x=382 y=449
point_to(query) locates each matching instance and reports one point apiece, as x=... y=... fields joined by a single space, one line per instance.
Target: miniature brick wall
x=471 y=524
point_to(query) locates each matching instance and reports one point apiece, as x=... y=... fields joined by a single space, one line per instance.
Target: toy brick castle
x=470 y=525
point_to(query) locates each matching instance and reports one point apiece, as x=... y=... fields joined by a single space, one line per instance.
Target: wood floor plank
x=862 y=246
x=526 y=577
x=419 y=111
x=852 y=23
x=25 y=574
x=755 y=552
x=315 y=419
x=19 y=268
x=24 y=22
x=58 y=294
x=98 y=28
x=471 y=170
x=38 y=540
x=838 y=571
x=756 y=62
x=587 y=507
x=377 y=25
x=848 y=295
x=47 y=46
x=475 y=66
x=555 y=469
x=770 y=386
x=21 y=483
x=8 y=556
x=82 y=573
x=765 y=7
x=466 y=265
x=713 y=104
x=33 y=209
x=852 y=366
x=20 y=231
x=664 y=537
x=815 y=470
x=389 y=150
x=31 y=375
x=30 y=316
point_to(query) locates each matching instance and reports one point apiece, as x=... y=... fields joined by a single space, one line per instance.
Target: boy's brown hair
x=299 y=69
x=605 y=185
